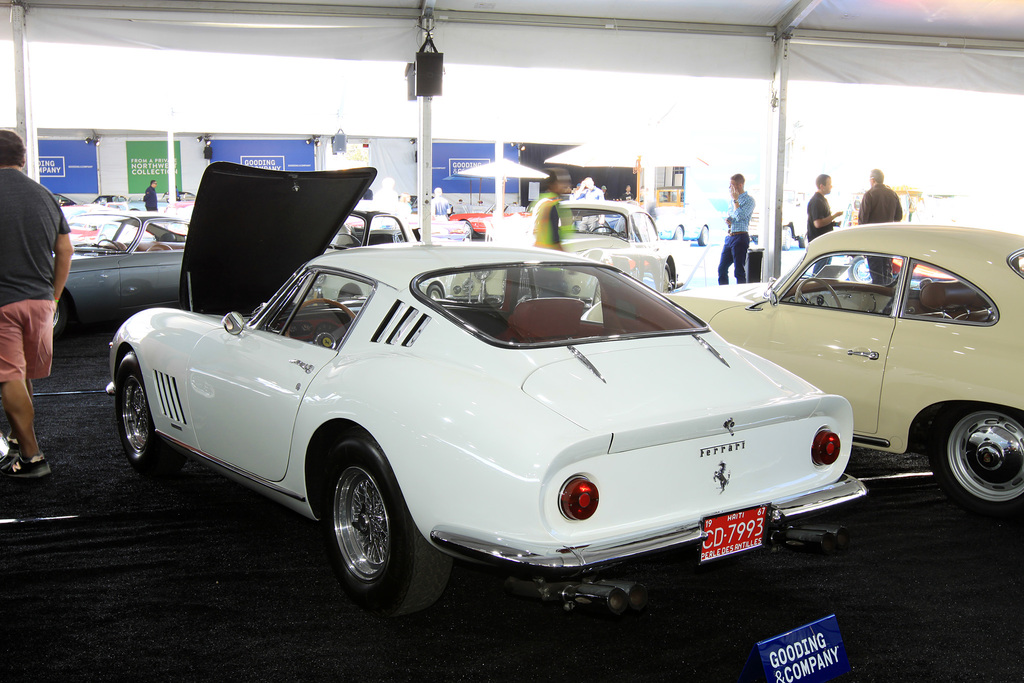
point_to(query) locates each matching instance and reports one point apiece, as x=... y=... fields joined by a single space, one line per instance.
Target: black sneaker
x=13 y=451
x=20 y=468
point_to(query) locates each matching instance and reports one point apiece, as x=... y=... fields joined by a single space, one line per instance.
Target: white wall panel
x=911 y=66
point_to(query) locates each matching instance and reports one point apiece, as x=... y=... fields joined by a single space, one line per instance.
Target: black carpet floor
x=111 y=576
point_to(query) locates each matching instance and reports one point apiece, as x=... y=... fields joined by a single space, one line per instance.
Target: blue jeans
x=734 y=251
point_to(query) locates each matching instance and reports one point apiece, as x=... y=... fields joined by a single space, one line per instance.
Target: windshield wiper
x=590 y=366
x=714 y=352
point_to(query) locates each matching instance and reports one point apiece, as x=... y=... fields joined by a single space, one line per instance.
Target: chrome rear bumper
x=568 y=561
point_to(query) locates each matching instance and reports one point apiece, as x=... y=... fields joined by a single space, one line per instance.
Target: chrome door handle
x=870 y=355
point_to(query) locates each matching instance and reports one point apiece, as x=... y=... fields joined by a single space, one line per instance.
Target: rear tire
x=704 y=237
x=380 y=558
x=977 y=455
x=145 y=451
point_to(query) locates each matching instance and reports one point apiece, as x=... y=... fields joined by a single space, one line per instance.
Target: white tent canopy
x=955 y=44
x=948 y=43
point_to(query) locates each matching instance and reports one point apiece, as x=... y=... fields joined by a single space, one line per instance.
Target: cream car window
x=645 y=228
x=599 y=222
x=1017 y=263
x=935 y=294
x=858 y=282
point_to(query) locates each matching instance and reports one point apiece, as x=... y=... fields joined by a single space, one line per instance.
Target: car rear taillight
x=578 y=499
x=825 y=447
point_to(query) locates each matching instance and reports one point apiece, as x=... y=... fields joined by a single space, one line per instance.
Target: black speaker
x=207 y=152
x=429 y=72
x=339 y=143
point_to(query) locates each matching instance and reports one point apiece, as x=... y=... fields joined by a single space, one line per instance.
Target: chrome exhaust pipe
x=636 y=592
x=824 y=539
x=600 y=596
x=595 y=597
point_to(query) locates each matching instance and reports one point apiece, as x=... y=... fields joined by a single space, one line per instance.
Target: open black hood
x=251 y=228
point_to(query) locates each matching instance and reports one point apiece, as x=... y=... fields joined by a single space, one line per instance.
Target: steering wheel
x=110 y=243
x=329 y=302
x=803 y=283
x=603 y=230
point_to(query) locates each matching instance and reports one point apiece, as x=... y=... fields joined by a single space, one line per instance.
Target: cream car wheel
x=978 y=458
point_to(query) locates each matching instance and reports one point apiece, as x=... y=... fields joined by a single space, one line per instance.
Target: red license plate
x=733 y=532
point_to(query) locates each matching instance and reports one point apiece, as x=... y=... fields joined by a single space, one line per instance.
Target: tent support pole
x=24 y=124
x=425 y=162
x=776 y=159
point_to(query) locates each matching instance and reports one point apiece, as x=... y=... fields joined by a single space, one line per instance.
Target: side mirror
x=233 y=323
x=771 y=294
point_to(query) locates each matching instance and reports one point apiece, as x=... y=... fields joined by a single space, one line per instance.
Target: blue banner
x=68 y=167
x=278 y=155
x=451 y=157
x=810 y=654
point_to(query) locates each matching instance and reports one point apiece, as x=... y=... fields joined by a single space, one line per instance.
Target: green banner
x=147 y=161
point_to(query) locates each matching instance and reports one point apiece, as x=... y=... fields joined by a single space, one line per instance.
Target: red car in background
x=481 y=221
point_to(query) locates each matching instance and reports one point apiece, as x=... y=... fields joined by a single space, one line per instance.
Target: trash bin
x=755 y=261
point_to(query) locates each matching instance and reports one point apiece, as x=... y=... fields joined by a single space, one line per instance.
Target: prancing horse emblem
x=722 y=477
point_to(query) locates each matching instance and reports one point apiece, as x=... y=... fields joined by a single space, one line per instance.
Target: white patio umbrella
x=502 y=168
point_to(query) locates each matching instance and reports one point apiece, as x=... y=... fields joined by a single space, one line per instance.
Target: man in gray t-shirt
x=35 y=258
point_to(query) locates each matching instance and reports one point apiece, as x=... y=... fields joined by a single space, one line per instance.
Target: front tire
x=977 y=456
x=60 y=317
x=380 y=558
x=435 y=291
x=146 y=453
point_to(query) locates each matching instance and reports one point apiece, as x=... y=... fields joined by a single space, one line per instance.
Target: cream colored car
x=919 y=327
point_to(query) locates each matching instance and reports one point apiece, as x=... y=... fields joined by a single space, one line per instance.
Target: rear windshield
x=552 y=304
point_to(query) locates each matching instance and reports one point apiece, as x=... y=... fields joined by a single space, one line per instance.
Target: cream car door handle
x=870 y=355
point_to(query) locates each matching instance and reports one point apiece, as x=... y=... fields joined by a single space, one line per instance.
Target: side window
x=292 y=298
x=937 y=295
x=864 y=283
x=125 y=232
x=324 y=312
x=350 y=234
x=646 y=231
x=1017 y=263
x=385 y=229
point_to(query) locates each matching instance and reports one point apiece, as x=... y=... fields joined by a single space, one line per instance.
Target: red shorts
x=26 y=339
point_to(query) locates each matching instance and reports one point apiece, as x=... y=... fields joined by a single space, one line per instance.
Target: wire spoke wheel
x=135 y=415
x=361 y=524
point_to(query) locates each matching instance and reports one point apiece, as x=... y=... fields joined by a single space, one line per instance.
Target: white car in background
x=621 y=234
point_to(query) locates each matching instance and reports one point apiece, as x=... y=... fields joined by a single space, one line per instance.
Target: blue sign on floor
x=810 y=654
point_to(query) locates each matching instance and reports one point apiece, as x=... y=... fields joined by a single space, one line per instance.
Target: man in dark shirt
x=879 y=204
x=820 y=218
x=149 y=198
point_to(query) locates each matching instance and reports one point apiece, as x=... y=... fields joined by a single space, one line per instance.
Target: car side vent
x=402 y=325
x=170 y=401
